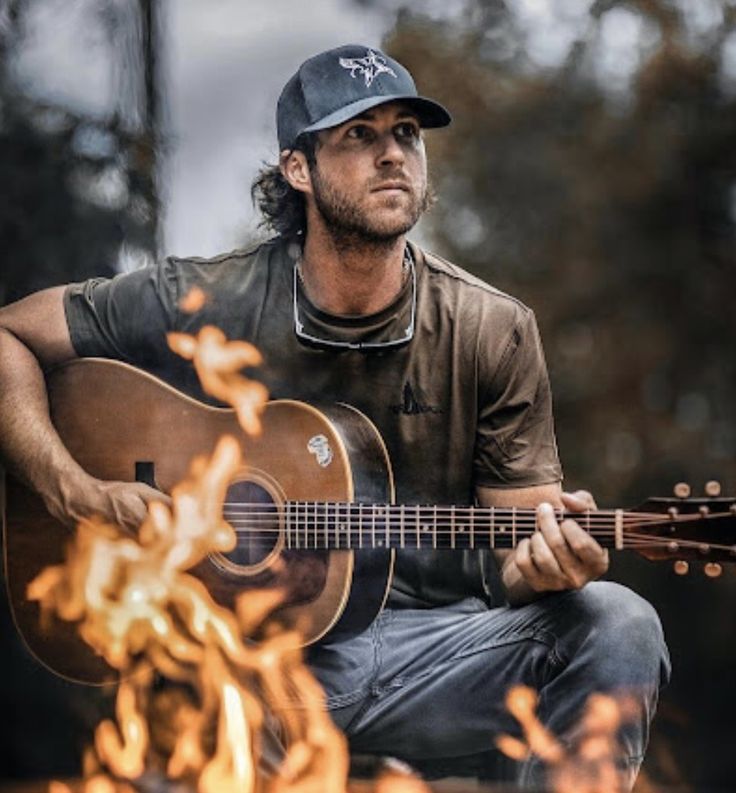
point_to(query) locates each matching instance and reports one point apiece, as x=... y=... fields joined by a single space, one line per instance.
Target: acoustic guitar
x=313 y=510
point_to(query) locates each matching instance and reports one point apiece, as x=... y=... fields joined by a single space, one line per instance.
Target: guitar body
x=122 y=424
x=317 y=481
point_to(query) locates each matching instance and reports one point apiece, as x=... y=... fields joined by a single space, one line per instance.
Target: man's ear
x=295 y=169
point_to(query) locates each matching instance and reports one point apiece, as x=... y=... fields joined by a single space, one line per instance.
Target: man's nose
x=390 y=151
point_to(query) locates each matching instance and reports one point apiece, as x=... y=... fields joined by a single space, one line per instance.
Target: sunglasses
x=318 y=341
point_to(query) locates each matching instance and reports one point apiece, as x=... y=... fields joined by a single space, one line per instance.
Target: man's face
x=370 y=177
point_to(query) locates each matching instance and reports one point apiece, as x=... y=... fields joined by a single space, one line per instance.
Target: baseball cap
x=336 y=85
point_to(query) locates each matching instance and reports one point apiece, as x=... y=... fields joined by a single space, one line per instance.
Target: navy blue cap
x=336 y=85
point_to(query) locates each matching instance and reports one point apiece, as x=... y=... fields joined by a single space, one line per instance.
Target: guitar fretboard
x=351 y=526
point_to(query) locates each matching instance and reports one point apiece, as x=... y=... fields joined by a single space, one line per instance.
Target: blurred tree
x=76 y=189
x=78 y=196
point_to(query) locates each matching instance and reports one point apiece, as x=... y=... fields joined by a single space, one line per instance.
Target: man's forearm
x=29 y=445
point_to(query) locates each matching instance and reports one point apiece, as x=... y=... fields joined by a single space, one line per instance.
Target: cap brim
x=431 y=114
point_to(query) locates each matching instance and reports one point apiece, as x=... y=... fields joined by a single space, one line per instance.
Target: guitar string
x=424 y=525
x=410 y=522
x=457 y=522
x=650 y=544
x=422 y=505
x=245 y=527
x=469 y=508
x=523 y=522
x=317 y=535
x=479 y=523
x=412 y=511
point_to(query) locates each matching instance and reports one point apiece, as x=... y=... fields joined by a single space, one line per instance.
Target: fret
x=373 y=526
x=513 y=526
x=401 y=525
x=300 y=525
x=306 y=525
x=326 y=529
x=472 y=528
x=587 y=520
x=296 y=528
x=349 y=523
x=492 y=519
x=311 y=508
x=337 y=525
x=288 y=525
x=434 y=528
x=418 y=524
x=387 y=526
x=452 y=527
x=360 y=525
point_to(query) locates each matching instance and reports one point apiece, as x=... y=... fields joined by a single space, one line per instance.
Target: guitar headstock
x=686 y=529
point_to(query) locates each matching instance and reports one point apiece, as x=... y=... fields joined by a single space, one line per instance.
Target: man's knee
x=620 y=629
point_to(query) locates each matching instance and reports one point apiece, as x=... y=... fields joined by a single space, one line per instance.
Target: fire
x=589 y=766
x=232 y=708
x=218 y=364
x=193 y=301
x=235 y=717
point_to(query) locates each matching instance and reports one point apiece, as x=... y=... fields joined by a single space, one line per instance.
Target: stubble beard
x=351 y=226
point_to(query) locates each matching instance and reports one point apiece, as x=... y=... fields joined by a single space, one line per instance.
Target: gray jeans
x=423 y=684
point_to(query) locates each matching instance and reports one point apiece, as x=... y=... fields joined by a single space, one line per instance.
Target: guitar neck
x=341 y=525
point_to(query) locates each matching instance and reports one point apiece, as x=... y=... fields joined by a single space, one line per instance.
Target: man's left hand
x=560 y=556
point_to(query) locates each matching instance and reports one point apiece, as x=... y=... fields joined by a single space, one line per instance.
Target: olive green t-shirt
x=466 y=402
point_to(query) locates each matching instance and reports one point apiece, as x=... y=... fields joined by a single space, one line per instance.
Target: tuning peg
x=713 y=489
x=713 y=569
x=681 y=567
x=682 y=490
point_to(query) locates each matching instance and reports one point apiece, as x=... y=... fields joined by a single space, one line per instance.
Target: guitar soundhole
x=251 y=510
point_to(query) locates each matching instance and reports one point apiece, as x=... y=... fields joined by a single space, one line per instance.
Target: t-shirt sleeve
x=515 y=440
x=126 y=317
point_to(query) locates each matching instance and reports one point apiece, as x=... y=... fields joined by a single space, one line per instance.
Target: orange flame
x=193 y=301
x=218 y=364
x=142 y=612
x=587 y=767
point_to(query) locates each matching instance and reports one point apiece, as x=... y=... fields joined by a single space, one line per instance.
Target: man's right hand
x=122 y=504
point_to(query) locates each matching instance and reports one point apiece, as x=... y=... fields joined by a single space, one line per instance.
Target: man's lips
x=390 y=186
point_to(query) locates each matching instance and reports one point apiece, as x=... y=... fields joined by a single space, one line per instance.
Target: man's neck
x=352 y=277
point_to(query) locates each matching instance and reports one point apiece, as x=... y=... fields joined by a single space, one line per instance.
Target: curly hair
x=281 y=206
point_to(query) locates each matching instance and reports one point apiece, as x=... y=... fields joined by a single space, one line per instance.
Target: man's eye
x=360 y=132
x=407 y=131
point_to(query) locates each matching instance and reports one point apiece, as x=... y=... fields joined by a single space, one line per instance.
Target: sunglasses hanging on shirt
x=401 y=334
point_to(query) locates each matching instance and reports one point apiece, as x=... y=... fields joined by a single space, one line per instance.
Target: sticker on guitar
x=319 y=446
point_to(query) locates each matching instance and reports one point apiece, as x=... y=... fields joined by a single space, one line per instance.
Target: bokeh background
x=590 y=171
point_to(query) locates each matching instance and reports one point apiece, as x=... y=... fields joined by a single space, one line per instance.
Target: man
x=343 y=308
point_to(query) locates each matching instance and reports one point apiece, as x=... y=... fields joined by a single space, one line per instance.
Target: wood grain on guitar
x=314 y=510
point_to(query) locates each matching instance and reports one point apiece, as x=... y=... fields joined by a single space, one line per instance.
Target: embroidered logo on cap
x=370 y=67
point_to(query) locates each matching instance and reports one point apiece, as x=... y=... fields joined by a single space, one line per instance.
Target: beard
x=351 y=224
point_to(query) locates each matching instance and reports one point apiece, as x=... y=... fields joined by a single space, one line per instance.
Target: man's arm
x=33 y=336
x=558 y=556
